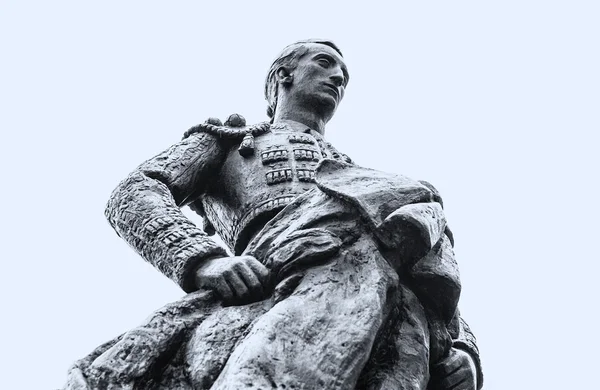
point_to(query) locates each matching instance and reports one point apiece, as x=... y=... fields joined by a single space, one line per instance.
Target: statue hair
x=289 y=57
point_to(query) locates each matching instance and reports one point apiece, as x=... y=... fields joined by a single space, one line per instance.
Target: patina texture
x=341 y=277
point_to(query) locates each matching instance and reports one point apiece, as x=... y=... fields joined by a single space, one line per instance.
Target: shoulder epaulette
x=231 y=130
x=234 y=129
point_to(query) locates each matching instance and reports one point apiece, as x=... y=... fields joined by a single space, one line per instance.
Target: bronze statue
x=340 y=277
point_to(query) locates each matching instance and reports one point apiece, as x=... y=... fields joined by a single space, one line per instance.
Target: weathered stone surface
x=342 y=277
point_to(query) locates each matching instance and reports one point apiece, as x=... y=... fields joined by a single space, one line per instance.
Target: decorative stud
x=214 y=121
x=235 y=120
x=246 y=148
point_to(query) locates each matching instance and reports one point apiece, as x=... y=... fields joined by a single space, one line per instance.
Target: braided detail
x=229 y=132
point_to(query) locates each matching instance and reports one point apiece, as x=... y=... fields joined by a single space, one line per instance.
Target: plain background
x=494 y=102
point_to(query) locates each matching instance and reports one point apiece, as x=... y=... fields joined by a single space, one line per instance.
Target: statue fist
x=455 y=372
x=237 y=279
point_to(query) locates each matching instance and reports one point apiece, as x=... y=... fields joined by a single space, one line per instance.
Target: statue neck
x=299 y=120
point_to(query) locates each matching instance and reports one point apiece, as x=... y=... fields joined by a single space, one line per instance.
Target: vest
x=250 y=190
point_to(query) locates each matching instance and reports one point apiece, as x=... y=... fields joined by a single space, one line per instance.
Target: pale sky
x=494 y=102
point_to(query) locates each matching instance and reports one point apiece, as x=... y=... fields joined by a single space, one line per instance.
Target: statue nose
x=337 y=79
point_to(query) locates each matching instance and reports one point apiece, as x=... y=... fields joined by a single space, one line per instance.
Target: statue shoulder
x=436 y=194
x=233 y=129
x=438 y=198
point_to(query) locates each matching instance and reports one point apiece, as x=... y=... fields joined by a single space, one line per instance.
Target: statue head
x=311 y=70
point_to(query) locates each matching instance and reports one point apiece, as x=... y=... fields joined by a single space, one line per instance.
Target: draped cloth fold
x=342 y=312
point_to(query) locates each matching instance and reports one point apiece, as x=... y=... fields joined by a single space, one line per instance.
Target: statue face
x=319 y=80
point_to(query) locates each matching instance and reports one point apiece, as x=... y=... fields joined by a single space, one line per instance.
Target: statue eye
x=324 y=62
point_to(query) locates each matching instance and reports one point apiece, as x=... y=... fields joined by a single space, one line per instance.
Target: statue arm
x=462 y=336
x=144 y=209
x=464 y=339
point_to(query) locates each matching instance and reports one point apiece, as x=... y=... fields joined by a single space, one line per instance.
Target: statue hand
x=455 y=372
x=237 y=279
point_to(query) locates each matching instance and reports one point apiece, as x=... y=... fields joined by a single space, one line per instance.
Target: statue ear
x=284 y=76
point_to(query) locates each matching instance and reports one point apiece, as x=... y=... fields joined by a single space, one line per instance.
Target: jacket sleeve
x=462 y=336
x=464 y=339
x=144 y=209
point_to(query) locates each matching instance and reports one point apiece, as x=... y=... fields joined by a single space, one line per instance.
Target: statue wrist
x=194 y=276
x=190 y=282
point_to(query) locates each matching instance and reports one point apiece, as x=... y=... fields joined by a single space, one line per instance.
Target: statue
x=341 y=277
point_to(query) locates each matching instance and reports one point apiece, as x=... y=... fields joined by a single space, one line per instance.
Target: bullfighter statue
x=335 y=276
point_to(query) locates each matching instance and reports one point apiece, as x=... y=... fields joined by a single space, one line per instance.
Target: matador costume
x=363 y=282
